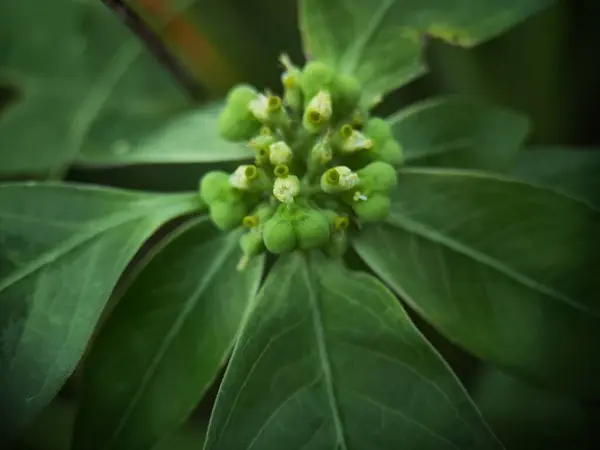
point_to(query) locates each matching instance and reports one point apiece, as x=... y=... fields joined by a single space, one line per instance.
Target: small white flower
x=356 y=141
x=259 y=107
x=321 y=103
x=359 y=196
x=348 y=179
x=280 y=153
x=238 y=178
x=285 y=189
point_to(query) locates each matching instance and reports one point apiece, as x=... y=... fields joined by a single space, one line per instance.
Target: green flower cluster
x=321 y=163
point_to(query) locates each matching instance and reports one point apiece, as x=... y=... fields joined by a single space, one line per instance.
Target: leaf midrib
x=214 y=268
x=323 y=354
x=418 y=228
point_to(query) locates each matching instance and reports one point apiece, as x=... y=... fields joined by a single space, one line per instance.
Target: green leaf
x=459 y=132
x=503 y=268
x=570 y=170
x=528 y=418
x=62 y=250
x=166 y=341
x=85 y=83
x=330 y=360
x=381 y=41
x=189 y=137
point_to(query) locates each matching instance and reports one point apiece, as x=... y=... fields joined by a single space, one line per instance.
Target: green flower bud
x=346 y=92
x=279 y=235
x=226 y=214
x=268 y=109
x=252 y=245
x=338 y=245
x=379 y=130
x=391 y=152
x=249 y=178
x=236 y=122
x=375 y=208
x=350 y=140
x=321 y=154
x=315 y=76
x=317 y=112
x=378 y=176
x=338 y=179
x=312 y=229
x=286 y=189
x=291 y=84
x=213 y=185
x=280 y=153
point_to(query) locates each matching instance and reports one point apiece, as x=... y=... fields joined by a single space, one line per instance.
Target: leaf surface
x=503 y=268
x=459 y=132
x=381 y=41
x=62 y=250
x=166 y=341
x=329 y=359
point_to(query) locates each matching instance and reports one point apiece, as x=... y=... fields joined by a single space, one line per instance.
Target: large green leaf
x=189 y=137
x=381 y=41
x=85 y=82
x=459 y=132
x=571 y=170
x=330 y=360
x=503 y=268
x=166 y=340
x=62 y=249
x=528 y=418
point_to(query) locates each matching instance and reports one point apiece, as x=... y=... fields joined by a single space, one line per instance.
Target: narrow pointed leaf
x=381 y=41
x=503 y=268
x=166 y=340
x=188 y=137
x=63 y=248
x=330 y=360
x=459 y=132
x=571 y=170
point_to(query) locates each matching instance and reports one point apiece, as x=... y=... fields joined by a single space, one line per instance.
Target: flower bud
x=248 y=178
x=351 y=140
x=279 y=235
x=280 y=153
x=212 y=186
x=346 y=93
x=337 y=245
x=378 y=176
x=227 y=214
x=391 y=152
x=317 y=112
x=315 y=76
x=236 y=122
x=312 y=229
x=291 y=84
x=286 y=189
x=338 y=179
x=379 y=130
x=375 y=208
x=252 y=243
x=320 y=155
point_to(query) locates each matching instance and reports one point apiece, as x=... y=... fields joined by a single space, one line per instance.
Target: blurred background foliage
x=546 y=68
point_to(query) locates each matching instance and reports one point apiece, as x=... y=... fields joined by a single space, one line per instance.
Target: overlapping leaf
x=503 y=268
x=381 y=41
x=166 y=341
x=459 y=132
x=330 y=360
x=84 y=81
x=62 y=249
